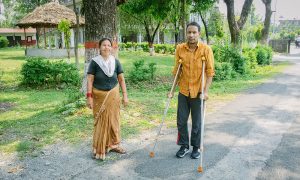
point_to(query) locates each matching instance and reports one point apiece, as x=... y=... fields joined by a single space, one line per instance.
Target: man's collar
x=187 y=46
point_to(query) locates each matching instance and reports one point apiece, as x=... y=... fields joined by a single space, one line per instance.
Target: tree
x=149 y=13
x=128 y=25
x=100 y=22
x=201 y=6
x=76 y=34
x=258 y=33
x=27 y=6
x=267 y=22
x=174 y=19
x=64 y=26
x=236 y=27
x=10 y=13
x=183 y=17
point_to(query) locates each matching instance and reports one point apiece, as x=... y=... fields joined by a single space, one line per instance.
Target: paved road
x=255 y=136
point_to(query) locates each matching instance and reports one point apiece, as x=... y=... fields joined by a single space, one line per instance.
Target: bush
x=231 y=55
x=144 y=46
x=42 y=72
x=263 y=55
x=3 y=42
x=121 y=46
x=250 y=55
x=223 y=71
x=158 y=48
x=141 y=73
x=164 y=48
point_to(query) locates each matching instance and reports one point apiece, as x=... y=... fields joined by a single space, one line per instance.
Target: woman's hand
x=125 y=101
x=89 y=102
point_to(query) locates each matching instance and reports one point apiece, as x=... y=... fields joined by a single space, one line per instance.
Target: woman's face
x=105 y=48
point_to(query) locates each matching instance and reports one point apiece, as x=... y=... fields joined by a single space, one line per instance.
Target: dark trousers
x=187 y=105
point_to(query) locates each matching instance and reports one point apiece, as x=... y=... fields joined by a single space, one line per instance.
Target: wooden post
x=45 y=41
x=37 y=37
x=25 y=41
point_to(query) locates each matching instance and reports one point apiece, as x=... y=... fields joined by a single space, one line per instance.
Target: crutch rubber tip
x=152 y=154
x=200 y=169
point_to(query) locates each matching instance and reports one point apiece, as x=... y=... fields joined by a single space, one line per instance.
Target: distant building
x=293 y=22
x=16 y=36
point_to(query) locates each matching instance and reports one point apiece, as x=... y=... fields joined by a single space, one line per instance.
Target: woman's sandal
x=118 y=150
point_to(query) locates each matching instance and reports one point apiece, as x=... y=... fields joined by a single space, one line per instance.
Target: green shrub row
x=158 y=48
x=42 y=72
x=229 y=62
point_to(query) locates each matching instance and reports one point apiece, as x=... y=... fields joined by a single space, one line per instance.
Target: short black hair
x=104 y=39
x=194 y=24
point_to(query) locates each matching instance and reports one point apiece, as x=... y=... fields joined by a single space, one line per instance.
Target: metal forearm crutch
x=200 y=168
x=167 y=107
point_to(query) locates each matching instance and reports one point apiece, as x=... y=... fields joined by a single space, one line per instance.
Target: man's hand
x=205 y=94
x=170 y=95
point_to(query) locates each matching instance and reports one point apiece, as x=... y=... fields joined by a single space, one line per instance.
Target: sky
x=285 y=9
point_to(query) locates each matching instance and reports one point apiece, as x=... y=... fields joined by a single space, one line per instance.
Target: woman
x=105 y=74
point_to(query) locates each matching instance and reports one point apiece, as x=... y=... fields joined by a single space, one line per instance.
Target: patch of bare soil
x=5 y=106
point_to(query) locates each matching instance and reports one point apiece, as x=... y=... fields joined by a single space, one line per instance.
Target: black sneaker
x=195 y=154
x=182 y=151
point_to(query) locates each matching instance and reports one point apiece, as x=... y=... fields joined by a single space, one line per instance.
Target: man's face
x=192 y=34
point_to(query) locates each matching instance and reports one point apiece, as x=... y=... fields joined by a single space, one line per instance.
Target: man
x=191 y=54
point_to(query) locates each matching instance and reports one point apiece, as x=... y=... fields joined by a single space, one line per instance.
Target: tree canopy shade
x=235 y=27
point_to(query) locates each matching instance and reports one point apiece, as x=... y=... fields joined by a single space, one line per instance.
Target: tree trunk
x=45 y=40
x=267 y=22
x=183 y=18
x=76 y=34
x=235 y=27
x=205 y=27
x=150 y=38
x=176 y=23
x=100 y=22
x=176 y=34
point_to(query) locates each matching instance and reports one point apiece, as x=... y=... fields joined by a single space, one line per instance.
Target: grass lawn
x=30 y=118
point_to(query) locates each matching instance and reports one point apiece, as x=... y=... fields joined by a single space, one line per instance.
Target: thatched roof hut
x=49 y=15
